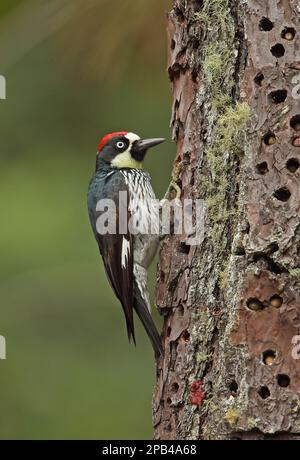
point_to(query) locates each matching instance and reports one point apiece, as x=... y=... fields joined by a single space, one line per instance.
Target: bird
x=121 y=188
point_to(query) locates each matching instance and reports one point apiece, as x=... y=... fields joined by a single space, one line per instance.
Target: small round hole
x=255 y=304
x=283 y=380
x=169 y=401
x=265 y=24
x=180 y=310
x=268 y=357
x=269 y=138
x=278 y=50
x=239 y=251
x=173 y=44
x=184 y=248
x=278 y=96
x=295 y=122
x=264 y=392
x=233 y=386
x=169 y=330
x=186 y=336
x=262 y=168
x=276 y=301
x=296 y=142
x=174 y=387
x=288 y=33
x=196 y=44
x=273 y=248
x=282 y=194
x=259 y=79
x=292 y=164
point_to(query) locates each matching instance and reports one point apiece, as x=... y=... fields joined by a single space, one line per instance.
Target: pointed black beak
x=145 y=144
x=141 y=146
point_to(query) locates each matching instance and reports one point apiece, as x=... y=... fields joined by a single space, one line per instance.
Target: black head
x=124 y=150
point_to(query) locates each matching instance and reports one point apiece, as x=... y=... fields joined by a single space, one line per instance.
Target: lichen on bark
x=224 y=78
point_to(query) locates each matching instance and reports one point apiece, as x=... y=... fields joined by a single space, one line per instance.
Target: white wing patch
x=125 y=252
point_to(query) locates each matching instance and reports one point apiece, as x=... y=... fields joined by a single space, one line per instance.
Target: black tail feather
x=147 y=321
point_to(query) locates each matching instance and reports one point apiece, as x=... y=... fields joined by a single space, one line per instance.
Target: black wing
x=117 y=249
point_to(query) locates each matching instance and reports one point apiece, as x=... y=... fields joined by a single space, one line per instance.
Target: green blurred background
x=75 y=69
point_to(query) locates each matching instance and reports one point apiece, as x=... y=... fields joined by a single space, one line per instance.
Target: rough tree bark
x=232 y=305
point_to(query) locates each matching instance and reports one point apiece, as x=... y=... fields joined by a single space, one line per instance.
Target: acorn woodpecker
x=128 y=247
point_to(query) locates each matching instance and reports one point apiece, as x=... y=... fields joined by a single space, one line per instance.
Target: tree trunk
x=232 y=304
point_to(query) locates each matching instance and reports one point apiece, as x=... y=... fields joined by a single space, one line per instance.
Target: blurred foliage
x=88 y=68
x=7 y=5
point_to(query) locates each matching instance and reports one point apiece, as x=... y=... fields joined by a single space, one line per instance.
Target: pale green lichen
x=229 y=118
x=295 y=272
x=232 y=416
x=252 y=423
x=229 y=132
x=224 y=276
x=202 y=357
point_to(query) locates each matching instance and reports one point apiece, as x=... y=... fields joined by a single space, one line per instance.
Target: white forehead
x=132 y=137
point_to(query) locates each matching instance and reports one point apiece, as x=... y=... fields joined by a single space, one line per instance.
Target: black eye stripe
x=122 y=144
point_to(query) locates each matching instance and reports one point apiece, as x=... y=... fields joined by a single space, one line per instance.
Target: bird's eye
x=120 y=145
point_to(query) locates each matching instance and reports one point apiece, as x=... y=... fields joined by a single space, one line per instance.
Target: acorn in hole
x=276 y=301
x=288 y=33
x=269 y=138
x=269 y=357
x=296 y=142
x=255 y=304
x=289 y=36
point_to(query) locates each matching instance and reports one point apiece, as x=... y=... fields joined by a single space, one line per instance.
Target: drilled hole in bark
x=196 y=43
x=259 y=79
x=179 y=14
x=265 y=24
x=282 y=194
x=247 y=227
x=180 y=310
x=195 y=76
x=292 y=164
x=276 y=301
x=174 y=387
x=278 y=96
x=288 y=33
x=268 y=357
x=269 y=138
x=278 y=50
x=184 y=248
x=186 y=336
x=173 y=44
x=239 y=251
x=283 y=380
x=274 y=267
x=198 y=4
x=233 y=386
x=262 y=168
x=296 y=142
x=169 y=401
x=273 y=248
x=169 y=330
x=295 y=122
x=264 y=392
x=254 y=304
